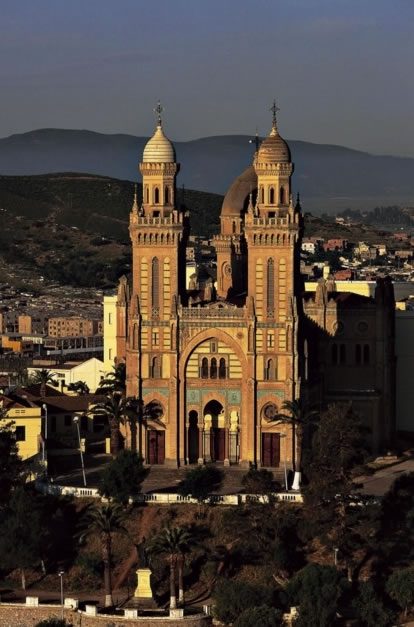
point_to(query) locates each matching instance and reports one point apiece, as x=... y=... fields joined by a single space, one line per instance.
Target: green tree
x=174 y=543
x=200 y=482
x=261 y=616
x=258 y=482
x=114 y=381
x=11 y=465
x=400 y=587
x=105 y=521
x=343 y=518
x=370 y=608
x=317 y=591
x=299 y=415
x=79 y=387
x=114 y=408
x=22 y=533
x=232 y=598
x=43 y=378
x=123 y=477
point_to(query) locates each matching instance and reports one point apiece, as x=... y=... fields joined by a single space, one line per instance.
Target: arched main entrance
x=153 y=414
x=214 y=424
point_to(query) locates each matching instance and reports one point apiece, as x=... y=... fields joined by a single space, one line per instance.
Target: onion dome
x=274 y=149
x=159 y=149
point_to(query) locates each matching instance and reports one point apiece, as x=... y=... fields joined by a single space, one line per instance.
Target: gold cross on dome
x=158 y=110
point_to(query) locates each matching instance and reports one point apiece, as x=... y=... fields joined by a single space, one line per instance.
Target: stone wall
x=19 y=615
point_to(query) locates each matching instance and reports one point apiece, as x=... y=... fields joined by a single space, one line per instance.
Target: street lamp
x=76 y=421
x=61 y=573
x=283 y=435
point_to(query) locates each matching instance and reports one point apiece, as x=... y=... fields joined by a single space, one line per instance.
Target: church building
x=213 y=367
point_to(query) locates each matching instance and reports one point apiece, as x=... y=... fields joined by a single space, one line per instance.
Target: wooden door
x=271 y=449
x=156 y=447
x=218 y=437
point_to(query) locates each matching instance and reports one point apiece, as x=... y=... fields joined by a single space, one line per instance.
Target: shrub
x=232 y=598
x=122 y=478
x=261 y=616
x=258 y=481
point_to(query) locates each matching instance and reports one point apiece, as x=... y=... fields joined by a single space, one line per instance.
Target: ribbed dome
x=274 y=149
x=159 y=149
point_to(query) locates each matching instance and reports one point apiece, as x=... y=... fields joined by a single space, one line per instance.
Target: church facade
x=214 y=366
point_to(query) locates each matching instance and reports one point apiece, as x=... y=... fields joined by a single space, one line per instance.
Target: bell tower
x=272 y=231
x=157 y=234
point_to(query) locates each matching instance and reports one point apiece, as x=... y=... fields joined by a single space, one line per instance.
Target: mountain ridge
x=329 y=177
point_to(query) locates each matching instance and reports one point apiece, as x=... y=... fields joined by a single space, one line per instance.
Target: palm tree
x=114 y=408
x=301 y=417
x=174 y=542
x=136 y=417
x=43 y=377
x=105 y=520
x=79 y=387
x=114 y=381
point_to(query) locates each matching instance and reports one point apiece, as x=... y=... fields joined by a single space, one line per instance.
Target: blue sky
x=341 y=70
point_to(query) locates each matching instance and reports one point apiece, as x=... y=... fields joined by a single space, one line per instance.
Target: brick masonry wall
x=15 y=615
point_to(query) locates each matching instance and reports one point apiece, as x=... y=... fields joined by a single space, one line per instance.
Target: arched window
x=358 y=356
x=269 y=370
x=166 y=196
x=155 y=282
x=366 y=354
x=222 y=368
x=234 y=227
x=204 y=368
x=155 y=370
x=262 y=194
x=156 y=196
x=270 y=287
x=147 y=195
x=213 y=368
x=135 y=337
x=282 y=196
x=342 y=354
x=271 y=196
x=334 y=353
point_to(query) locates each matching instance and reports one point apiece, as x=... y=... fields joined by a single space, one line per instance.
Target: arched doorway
x=214 y=420
x=270 y=440
x=193 y=448
x=153 y=413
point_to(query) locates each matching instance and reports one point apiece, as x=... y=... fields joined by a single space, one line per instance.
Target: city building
x=90 y=372
x=213 y=366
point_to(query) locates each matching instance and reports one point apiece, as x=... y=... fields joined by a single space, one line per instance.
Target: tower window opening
x=366 y=354
x=262 y=195
x=204 y=368
x=222 y=368
x=155 y=276
x=156 y=196
x=166 y=196
x=155 y=370
x=282 y=199
x=147 y=195
x=269 y=370
x=271 y=196
x=213 y=368
x=270 y=287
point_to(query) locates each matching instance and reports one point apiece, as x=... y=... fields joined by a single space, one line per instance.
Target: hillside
x=329 y=178
x=73 y=228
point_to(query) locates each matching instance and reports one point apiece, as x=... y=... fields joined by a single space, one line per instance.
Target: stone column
x=201 y=455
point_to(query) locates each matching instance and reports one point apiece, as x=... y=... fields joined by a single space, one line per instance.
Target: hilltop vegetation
x=73 y=228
